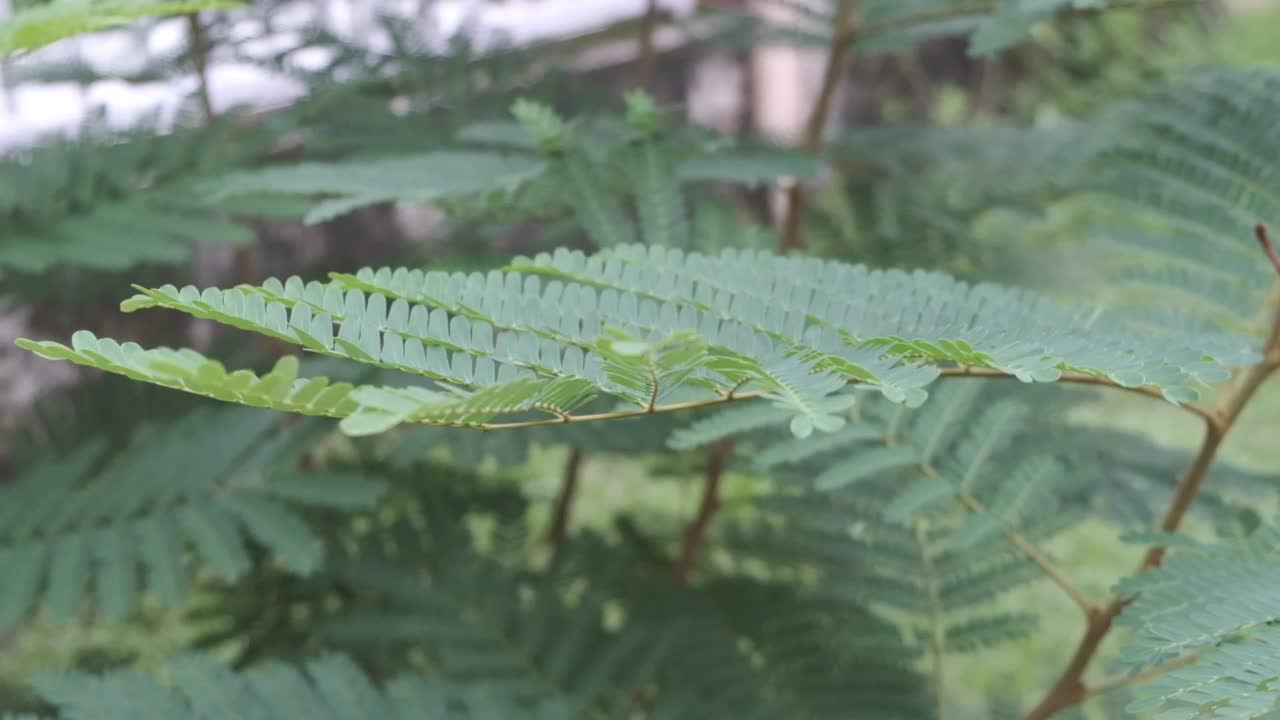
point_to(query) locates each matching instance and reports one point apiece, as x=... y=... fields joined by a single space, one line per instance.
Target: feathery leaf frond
x=1188 y=172
x=644 y=325
x=210 y=481
x=135 y=191
x=329 y=687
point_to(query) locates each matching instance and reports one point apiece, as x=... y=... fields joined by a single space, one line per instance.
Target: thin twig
x=1120 y=680
x=1017 y=539
x=564 y=502
x=1207 y=414
x=199 y=48
x=695 y=534
x=1041 y=560
x=1069 y=689
x=842 y=38
x=937 y=630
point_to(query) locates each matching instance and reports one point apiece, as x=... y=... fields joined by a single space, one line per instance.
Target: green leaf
x=867 y=463
x=33 y=27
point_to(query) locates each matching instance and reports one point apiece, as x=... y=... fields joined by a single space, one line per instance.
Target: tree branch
x=198 y=46
x=695 y=533
x=842 y=37
x=1209 y=415
x=647 y=56
x=1069 y=689
x=564 y=501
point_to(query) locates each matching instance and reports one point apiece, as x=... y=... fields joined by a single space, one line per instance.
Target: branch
x=564 y=502
x=1041 y=560
x=1069 y=689
x=647 y=57
x=695 y=534
x=1209 y=415
x=842 y=38
x=1025 y=546
x=199 y=48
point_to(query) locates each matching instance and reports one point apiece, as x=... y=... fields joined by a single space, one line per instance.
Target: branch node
x=1261 y=232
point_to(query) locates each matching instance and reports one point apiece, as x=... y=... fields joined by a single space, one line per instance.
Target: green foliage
x=542 y=165
x=135 y=192
x=1214 y=605
x=331 y=687
x=357 y=183
x=902 y=25
x=907 y=509
x=89 y=520
x=643 y=326
x=31 y=28
x=1187 y=174
x=1008 y=25
x=809 y=503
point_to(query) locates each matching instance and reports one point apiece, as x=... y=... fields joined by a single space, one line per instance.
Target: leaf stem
x=1075 y=378
x=695 y=533
x=1120 y=680
x=1041 y=560
x=1209 y=415
x=937 y=632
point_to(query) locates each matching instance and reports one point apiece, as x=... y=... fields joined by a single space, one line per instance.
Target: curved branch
x=1069 y=689
x=1209 y=415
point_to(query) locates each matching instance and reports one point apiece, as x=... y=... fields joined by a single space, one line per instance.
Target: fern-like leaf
x=88 y=522
x=643 y=324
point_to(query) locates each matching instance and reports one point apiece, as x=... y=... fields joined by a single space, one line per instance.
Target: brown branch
x=695 y=534
x=1209 y=415
x=564 y=502
x=842 y=38
x=199 y=47
x=246 y=267
x=1069 y=689
x=647 y=56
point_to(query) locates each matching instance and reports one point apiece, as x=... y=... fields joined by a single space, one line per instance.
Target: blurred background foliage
x=937 y=160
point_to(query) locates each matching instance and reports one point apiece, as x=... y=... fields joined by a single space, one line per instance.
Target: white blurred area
x=29 y=110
